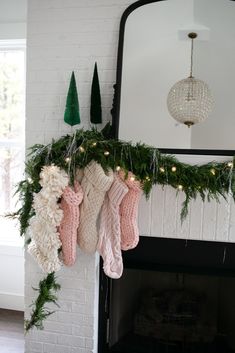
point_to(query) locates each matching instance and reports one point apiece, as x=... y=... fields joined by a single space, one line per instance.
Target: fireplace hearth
x=175 y=296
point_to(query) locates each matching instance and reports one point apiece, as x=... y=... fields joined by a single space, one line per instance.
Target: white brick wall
x=66 y=35
x=160 y=217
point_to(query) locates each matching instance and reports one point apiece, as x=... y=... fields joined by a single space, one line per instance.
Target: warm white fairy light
x=230 y=164
x=67 y=159
x=162 y=170
x=94 y=144
x=180 y=187
x=147 y=178
x=30 y=180
x=173 y=169
x=213 y=172
x=81 y=149
x=132 y=178
x=118 y=168
x=106 y=153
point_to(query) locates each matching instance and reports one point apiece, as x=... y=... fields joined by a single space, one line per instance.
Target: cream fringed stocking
x=45 y=241
x=129 y=212
x=109 y=244
x=70 y=202
x=95 y=184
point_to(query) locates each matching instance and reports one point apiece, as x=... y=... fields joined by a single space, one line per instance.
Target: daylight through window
x=12 y=135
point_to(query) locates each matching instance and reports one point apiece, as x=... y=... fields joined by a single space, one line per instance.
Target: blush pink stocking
x=109 y=244
x=129 y=212
x=70 y=202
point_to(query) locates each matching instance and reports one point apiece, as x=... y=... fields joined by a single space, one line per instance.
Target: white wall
x=214 y=63
x=11 y=277
x=13 y=15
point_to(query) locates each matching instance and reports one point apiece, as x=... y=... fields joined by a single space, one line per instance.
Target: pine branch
x=47 y=294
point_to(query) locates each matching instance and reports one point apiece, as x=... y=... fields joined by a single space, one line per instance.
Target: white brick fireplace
x=72 y=35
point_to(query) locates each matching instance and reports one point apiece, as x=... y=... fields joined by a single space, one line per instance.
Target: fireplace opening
x=171 y=312
x=180 y=302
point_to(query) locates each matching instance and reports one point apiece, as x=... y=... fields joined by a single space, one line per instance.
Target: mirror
x=154 y=53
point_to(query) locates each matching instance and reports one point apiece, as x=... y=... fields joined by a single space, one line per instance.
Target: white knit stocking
x=45 y=241
x=95 y=184
x=109 y=244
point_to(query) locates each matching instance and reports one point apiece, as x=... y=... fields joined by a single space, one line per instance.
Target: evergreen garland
x=209 y=181
x=47 y=294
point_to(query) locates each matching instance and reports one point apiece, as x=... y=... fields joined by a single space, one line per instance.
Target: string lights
x=81 y=149
x=213 y=171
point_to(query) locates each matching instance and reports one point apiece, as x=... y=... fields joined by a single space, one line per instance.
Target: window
x=12 y=132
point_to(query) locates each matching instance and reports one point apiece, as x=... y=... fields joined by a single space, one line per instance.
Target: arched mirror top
x=154 y=53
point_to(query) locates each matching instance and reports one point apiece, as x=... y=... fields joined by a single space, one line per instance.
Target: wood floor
x=11 y=331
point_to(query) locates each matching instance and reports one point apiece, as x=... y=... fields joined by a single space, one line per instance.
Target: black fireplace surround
x=173 y=297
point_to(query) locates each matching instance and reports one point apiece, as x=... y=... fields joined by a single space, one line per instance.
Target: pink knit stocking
x=70 y=222
x=109 y=244
x=129 y=213
x=95 y=184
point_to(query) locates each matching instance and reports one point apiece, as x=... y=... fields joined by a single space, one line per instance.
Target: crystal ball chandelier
x=190 y=101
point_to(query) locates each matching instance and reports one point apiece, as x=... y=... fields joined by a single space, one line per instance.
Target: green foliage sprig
x=210 y=180
x=47 y=294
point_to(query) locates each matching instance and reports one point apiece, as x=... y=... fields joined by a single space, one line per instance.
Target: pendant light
x=190 y=101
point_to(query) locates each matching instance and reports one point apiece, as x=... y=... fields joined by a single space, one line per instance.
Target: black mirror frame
x=115 y=112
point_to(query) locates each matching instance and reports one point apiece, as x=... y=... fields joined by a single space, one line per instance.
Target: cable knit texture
x=45 y=241
x=129 y=212
x=95 y=184
x=109 y=244
x=70 y=202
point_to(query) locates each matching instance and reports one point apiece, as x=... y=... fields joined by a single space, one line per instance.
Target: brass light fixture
x=190 y=100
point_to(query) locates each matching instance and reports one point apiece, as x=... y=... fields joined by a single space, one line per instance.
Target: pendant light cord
x=191 y=66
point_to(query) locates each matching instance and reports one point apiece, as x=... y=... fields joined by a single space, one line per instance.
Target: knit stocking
x=70 y=202
x=45 y=241
x=95 y=184
x=129 y=213
x=109 y=244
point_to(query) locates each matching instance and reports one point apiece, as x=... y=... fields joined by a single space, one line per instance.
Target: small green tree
x=72 y=114
x=95 y=109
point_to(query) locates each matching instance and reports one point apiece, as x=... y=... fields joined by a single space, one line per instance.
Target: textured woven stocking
x=70 y=202
x=95 y=184
x=45 y=241
x=129 y=213
x=109 y=244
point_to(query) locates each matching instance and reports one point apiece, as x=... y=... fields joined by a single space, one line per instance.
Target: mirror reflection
x=157 y=54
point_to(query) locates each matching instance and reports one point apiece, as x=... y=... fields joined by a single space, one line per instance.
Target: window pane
x=12 y=124
x=12 y=94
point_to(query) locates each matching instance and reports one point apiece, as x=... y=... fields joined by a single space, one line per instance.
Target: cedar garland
x=209 y=181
